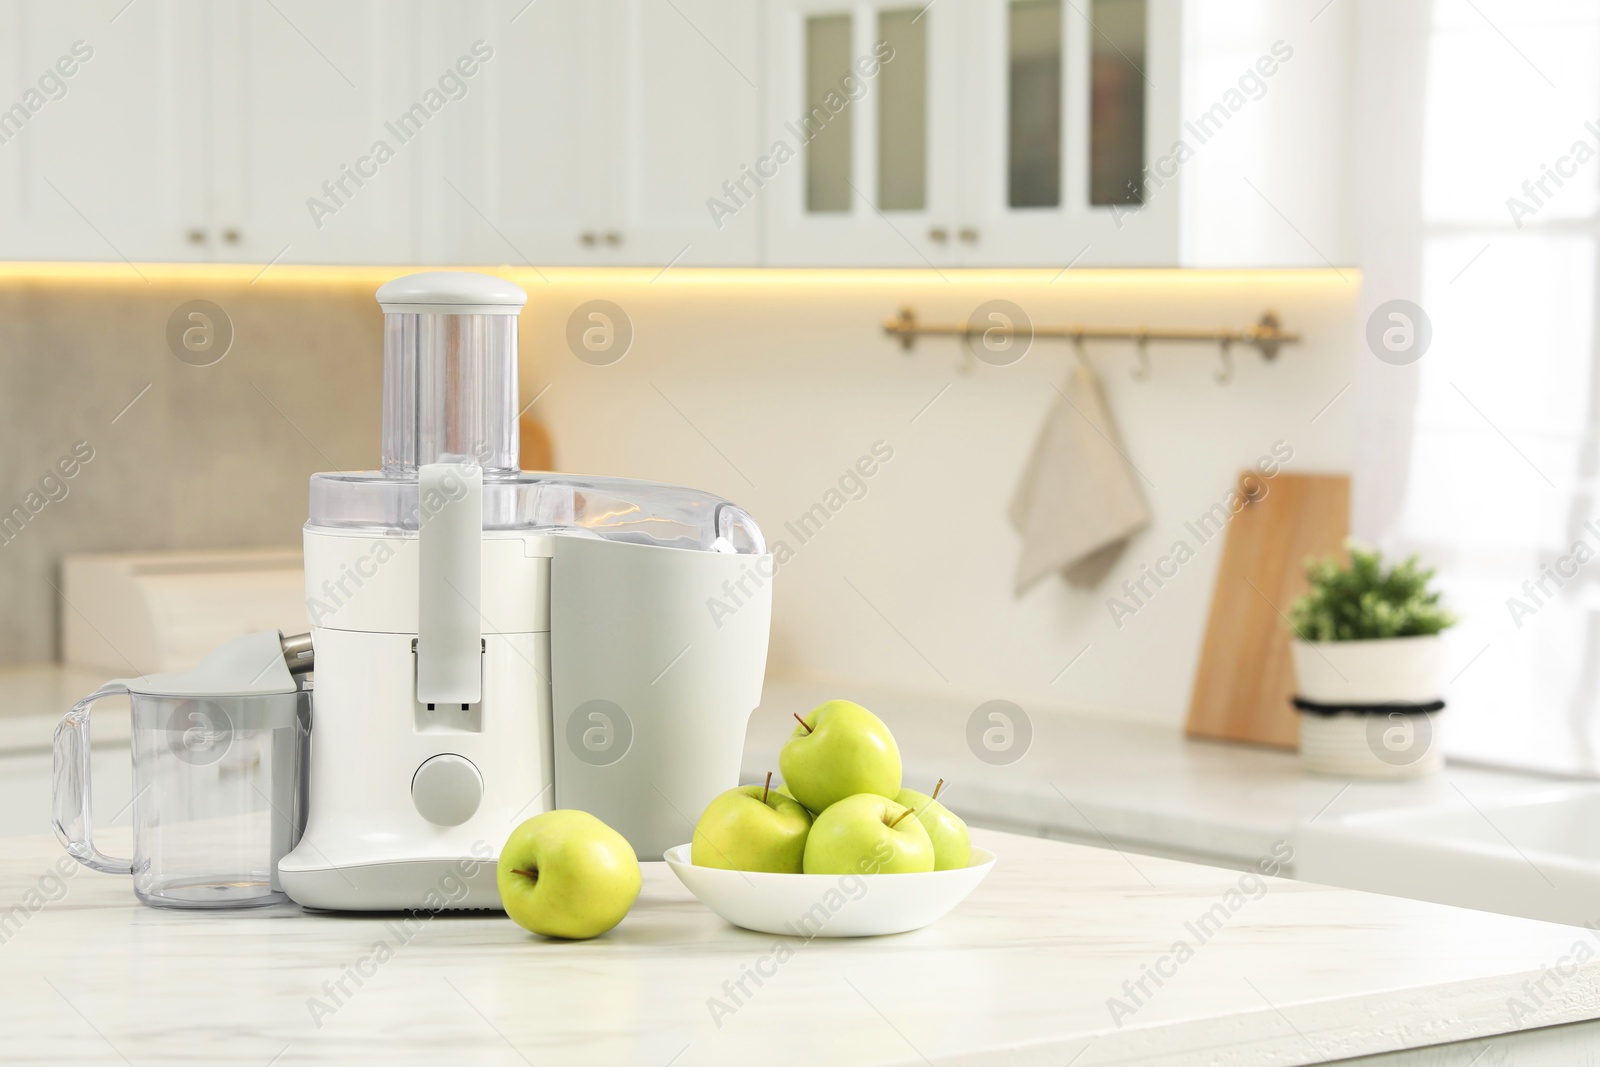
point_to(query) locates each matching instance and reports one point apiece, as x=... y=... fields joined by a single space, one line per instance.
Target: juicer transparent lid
x=614 y=509
x=450 y=392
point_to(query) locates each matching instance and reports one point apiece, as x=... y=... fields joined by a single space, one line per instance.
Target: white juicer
x=492 y=643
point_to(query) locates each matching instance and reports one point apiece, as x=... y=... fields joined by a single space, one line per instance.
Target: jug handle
x=72 y=789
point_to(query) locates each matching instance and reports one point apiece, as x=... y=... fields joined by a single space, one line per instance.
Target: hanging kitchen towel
x=1079 y=500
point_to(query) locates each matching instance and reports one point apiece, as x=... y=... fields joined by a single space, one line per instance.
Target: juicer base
x=418 y=886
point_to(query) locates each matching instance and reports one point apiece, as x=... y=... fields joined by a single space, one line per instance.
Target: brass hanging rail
x=1267 y=336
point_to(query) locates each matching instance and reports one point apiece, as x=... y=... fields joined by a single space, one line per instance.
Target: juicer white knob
x=447 y=789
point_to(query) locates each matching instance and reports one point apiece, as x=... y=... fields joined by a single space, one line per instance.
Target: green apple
x=752 y=828
x=784 y=789
x=952 y=844
x=567 y=874
x=868 y=834
x=838 y=750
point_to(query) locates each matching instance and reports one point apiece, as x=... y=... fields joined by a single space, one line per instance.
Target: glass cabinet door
x=902 y=141
x=864 y=130
x=1067 y=115
x=1034 y=98
x=972 y=132
x=1117 y=74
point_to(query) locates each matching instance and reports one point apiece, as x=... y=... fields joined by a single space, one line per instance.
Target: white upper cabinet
x=201 y=132
x=864 y=156
x=678 y=132
x=604 y=130
x=319 y=119
x=1269 y=110
x=974 y=132
x=1072 y=104
x=103 y=130
x=689 y=132
x=509 y=182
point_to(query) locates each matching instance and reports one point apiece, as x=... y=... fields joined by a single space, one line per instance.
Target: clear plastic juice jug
x=218 y=776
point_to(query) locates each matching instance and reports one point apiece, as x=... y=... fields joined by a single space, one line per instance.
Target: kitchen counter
x=1099 y=780
x=1022 y=971
x=1138 y=786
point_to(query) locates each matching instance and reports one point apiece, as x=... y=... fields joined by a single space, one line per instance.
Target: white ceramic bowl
x=829 y=905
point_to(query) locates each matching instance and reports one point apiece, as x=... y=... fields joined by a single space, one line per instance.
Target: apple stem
x=531 y=874
x=766 y=787
x=902 y=815
x=936 y=790
x=801 y=721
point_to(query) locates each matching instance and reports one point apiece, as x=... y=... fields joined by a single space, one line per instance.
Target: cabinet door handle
x=587 y=238
x=968 y=234
x=613 y=238
x=232 y=236
x=938 y=234
x=196 y=236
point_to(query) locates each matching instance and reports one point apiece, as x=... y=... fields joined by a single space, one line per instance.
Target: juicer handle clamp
x=450 y=582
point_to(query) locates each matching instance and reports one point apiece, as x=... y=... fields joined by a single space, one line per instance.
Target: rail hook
x=1141 y=352
x=1224 y=350
x=1079 y=353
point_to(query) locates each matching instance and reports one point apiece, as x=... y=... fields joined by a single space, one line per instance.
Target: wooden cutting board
x=1245 y=678
x=537 y=451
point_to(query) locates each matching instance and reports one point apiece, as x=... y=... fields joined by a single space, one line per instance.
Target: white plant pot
x=1362 y=744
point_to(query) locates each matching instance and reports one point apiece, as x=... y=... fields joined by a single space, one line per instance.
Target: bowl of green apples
x=839 y=849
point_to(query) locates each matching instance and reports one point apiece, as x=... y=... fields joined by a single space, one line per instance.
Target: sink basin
x=1536 y=856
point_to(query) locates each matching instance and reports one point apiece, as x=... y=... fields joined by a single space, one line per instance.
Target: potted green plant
x=1366 y=664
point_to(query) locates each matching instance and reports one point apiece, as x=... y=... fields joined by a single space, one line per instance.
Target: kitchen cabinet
x=1071 y=106
x=103 y=144
x=198 y=132
x=866 y=133
x=604 y=130
x=983 y=133
x=509 y=184
x=318 y=121
x=677 y=132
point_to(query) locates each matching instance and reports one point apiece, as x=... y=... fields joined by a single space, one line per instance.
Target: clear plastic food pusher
x=450 y=371
x=450 y=395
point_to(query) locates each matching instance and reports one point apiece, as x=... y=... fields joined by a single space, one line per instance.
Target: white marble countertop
x=1100 y=780
x=1022 y=971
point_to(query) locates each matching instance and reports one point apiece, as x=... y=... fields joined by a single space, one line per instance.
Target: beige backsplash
x=207 y=456
x=765 y=386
